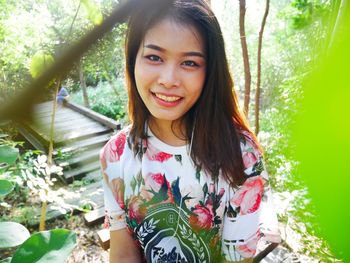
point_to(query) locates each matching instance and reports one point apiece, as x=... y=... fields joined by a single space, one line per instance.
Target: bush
x=106 y=100
x=45 y=246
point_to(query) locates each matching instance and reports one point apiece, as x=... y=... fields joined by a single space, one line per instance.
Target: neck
x=169 y=132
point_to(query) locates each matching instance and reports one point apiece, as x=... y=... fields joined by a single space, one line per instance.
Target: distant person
x=185 y=182
x=62 y=95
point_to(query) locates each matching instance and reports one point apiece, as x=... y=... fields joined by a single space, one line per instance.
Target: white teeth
x=167 y=98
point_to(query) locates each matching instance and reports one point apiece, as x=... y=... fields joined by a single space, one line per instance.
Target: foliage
x=49 y=27
x=296 y=35
x=26 y=172
x=12 y=234
x=305 y=40
x=52 y=246
x=301 y=60
x=8 y=154
x=6 y=187
x=39 y=62
x=8 y=157
x=94 y=13
x=105 y=61
x=48 y=246
x=104 y=100
x=304 y=12
x=322 y=142
x=20 y=212
x=18 y=43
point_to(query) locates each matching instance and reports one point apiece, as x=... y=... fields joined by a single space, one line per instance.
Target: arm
x=123 y=248
x=254 y=215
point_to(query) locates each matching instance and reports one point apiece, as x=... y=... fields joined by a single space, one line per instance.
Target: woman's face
x=170 y=70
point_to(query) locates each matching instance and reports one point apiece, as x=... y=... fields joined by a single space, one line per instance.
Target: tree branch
x=20 y=107
x=258 y=83
x=247 y=75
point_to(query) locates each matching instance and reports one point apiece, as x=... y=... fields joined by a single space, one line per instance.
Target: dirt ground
x=87 y=249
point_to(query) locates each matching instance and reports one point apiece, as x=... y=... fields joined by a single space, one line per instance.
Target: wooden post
x=83 y=85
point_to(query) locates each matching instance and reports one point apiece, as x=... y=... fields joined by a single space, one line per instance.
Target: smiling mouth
x=167 y=98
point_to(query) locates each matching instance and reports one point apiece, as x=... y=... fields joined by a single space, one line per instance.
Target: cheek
x=143 y=76
x=200 y=79
x=140 y=79
x=138 y=72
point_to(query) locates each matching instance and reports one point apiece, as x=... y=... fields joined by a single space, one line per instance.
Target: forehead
x=175 y=36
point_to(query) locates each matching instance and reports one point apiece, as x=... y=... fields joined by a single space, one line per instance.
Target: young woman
x=185 y=181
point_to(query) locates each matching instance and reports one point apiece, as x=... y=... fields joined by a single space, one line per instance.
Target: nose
x=169 y=77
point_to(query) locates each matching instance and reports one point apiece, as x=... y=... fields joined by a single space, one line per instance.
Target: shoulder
x=115 y=147
x=248 y=142
x=63 y=91
x=251 y=153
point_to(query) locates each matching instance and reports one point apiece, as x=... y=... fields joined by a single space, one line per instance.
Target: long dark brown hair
x=215 y=118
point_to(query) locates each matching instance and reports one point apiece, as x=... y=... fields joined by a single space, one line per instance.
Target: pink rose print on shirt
x=152 y=182
x=115 y=148
x=248 y=197
x=154 y=155
x=155 y=181
x=162 y=156
x=202 y=218
x=137 y=209
x=250 y=142
x=106 y=223
x=211 y=188
x=153 y=185
x=249 y=159
x=109 y=218
x=221 y=192
x=212 y=197
x=248 y=250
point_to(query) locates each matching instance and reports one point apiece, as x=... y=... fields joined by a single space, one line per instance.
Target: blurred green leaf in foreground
x=322 y=138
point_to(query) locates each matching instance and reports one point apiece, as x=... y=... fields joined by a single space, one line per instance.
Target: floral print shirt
x=178 y=213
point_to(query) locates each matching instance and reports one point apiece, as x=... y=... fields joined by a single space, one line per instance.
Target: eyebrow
x=187 y=54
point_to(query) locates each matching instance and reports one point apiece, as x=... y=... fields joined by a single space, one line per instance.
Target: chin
x=165 y=117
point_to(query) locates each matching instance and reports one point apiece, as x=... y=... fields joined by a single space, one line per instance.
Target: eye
x=153 y=58
x=190 y=63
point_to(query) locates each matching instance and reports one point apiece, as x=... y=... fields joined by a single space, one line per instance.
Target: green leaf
x=39 y=62
x=3 y=135
x=12 y=234
x=52 y=246
x=94 y=12
x=205 y=189
x=8 y=154
x=6 y=187
x=198 y=174
x=6 y=260
x=178 y=158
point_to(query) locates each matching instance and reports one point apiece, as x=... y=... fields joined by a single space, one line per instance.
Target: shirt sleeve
x=113 y=183
x=63 y=92
x=250 y=216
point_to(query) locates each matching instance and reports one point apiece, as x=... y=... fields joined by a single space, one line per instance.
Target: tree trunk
x=83 y=85
x=247 y=75
x=258 y=82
